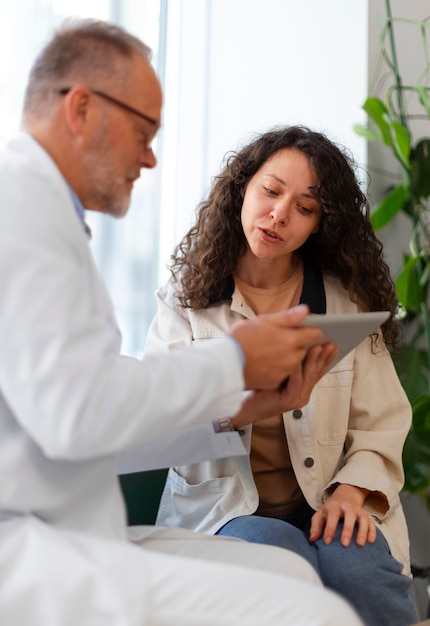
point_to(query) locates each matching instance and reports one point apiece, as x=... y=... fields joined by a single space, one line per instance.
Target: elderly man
x=69 y=401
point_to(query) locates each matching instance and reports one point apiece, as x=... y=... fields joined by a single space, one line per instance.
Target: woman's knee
x=271 y=531
x=258 y=529
x=338 y=562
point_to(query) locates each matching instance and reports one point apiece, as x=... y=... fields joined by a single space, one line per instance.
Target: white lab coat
x=68 y=400
x=68 y=403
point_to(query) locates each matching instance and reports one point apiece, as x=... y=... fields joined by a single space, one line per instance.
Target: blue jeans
x=368 y=577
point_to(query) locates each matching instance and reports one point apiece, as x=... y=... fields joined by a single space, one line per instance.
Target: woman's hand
x=274 y=344
x=294 y=394
x=345 y=503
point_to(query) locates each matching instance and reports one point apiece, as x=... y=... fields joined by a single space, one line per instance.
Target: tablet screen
x=346 y=330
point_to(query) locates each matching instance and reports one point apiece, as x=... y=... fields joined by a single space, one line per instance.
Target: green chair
x=142 y=493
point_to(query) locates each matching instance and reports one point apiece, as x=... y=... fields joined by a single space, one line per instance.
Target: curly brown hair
x=344 y=246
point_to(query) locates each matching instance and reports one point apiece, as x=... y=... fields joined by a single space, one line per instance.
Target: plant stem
x=395 y=66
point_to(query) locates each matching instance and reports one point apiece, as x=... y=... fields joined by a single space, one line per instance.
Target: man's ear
x=78 y=108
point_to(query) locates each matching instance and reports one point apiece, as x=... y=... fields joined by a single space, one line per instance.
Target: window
x=126 y=251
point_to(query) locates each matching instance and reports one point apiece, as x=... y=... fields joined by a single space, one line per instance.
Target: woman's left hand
x=345 y=503
x=294 y=394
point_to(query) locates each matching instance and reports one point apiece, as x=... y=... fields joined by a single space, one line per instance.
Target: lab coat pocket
x=194 y=506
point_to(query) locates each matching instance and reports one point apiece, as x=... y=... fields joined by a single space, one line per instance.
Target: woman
x=286 y=223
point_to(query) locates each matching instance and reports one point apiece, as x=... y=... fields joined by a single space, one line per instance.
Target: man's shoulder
x=22 y=153
x=18 y=146
x=36 y=200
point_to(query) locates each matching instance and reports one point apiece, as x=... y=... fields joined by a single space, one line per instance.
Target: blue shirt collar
x=79 y=208
x=77 y=204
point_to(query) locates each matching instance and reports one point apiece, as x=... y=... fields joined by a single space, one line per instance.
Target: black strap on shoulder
x=313 y=292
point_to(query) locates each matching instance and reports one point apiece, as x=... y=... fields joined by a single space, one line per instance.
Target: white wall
x=235 y=67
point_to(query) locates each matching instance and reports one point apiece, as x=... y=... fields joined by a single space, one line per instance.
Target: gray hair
x=82 y=50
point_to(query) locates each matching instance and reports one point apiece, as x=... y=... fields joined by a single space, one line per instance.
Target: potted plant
x=389 y=123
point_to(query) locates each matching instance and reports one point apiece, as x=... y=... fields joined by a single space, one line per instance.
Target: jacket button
x=309 y=461
x=297 y=414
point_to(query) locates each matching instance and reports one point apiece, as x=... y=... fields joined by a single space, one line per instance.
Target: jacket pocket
x=341 y=374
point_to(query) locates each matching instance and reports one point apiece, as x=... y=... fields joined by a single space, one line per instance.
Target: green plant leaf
x=421 y=413
x=416 y=455
x=411 y=368
x=408 y=288
x=366 y=132
x=389 y=206
x=416 y=452
x=401 y=142
x=420 y=169
x=424 y=98
x=376 y=110
x=425 y=274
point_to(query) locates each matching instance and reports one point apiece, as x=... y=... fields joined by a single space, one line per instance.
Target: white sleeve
x=60 y=369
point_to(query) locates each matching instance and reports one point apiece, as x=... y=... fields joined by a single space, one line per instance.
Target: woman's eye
x=271 y=192
x=305 y=210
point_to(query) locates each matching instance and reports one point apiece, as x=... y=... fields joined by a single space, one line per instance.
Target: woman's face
x=280 y=209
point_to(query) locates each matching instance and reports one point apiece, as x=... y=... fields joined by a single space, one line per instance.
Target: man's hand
x=274 y=345
x=345 y=503
x=264 y=403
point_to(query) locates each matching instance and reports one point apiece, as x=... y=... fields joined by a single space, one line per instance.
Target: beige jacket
x=351 y=431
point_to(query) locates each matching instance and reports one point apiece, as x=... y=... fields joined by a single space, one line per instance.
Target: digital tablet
x=346 y=330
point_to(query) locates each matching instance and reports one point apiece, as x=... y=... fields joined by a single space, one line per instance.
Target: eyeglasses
x=65 y=90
